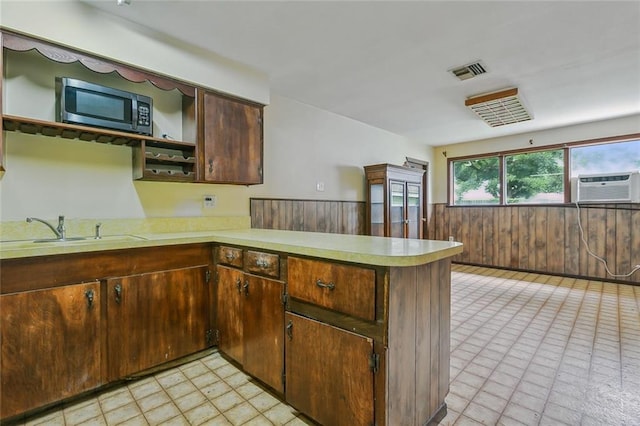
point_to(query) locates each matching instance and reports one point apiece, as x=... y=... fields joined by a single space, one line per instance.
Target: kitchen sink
x=31 y=244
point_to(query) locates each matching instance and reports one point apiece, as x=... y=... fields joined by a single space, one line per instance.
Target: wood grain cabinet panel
x=329 y=376
x=263 y=263
x=263 y=330
x=154 y=318
x=229 y=311
x=51 y=346
x=231 y=140
x=230 y=256
x=250 y=317
x=344 y=288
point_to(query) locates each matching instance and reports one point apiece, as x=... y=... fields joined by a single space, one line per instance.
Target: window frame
x=502 y=159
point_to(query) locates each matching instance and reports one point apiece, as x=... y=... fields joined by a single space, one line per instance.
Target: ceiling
x=385 y=63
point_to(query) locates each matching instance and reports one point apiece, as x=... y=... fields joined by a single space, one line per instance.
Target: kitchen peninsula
x=347 y=329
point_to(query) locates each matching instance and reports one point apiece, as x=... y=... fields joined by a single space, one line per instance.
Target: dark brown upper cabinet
x=231 y=140
x=221 y=139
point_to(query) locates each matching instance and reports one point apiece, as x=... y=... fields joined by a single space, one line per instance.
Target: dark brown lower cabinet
x=328 y=371
x=50 y=345
x=156 y=317
x=250 y=318
x=228 y=311
x=263 y=330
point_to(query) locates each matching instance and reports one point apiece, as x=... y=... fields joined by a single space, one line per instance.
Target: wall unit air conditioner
x=622 y=187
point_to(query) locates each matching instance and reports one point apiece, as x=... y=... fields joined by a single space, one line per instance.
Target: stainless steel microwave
x=81 y=102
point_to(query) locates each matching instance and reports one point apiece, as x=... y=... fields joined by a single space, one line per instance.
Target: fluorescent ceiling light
x=499 y=108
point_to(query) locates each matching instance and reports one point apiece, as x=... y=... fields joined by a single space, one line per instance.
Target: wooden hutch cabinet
x=394 y=201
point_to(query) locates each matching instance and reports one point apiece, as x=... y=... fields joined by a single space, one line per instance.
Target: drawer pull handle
x=262 y=263
x=239 y=285
x=246 y=288
x=330 y=286
x=230 y=256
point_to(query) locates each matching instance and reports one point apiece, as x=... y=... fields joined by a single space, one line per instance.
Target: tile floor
x=526 y=349
x=529 y=349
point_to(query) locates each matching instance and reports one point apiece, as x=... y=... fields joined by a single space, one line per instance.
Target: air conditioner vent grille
x=606 y=188
x=468 y=71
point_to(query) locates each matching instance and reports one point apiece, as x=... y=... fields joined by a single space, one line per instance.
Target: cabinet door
x=232 y=141
x=263 y=330
x=154 y=318
x=414 y=210
x=50 y=346
x=229 y=311
x=328 y=373
x=376 y=209
x=397 y=203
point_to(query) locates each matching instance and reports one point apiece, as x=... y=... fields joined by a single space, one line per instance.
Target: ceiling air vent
x=468 y=71
x=499 y=108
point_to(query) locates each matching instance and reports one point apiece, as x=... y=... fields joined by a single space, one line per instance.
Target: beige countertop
x=351 y=248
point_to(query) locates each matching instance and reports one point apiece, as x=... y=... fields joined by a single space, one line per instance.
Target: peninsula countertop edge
x=368 y=250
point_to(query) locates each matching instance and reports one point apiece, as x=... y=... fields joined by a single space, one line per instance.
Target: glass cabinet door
x=397 y=202
x=413 y=210
x=376 y=195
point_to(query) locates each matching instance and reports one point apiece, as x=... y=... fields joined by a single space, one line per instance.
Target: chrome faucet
x=60 y=231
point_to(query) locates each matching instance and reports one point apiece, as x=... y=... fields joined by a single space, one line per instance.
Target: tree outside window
x=477 y=181
x=535 y=177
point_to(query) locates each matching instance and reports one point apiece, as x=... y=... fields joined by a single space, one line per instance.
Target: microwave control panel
x=143 y=114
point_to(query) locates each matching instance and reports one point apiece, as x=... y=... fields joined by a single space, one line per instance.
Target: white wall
x=85 y=28
x=305 y=145
x=581 y=132
x=50 y=176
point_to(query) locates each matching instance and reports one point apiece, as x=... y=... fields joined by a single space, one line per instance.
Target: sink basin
x=31 y=244
x=56 y=240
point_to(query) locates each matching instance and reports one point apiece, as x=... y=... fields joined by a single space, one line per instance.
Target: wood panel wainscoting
x=337 y=217
x=545 y=239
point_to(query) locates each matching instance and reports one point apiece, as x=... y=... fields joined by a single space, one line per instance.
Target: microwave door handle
x=134 y=113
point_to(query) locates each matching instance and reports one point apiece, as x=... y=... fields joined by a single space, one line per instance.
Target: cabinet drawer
x=263 y=263
x=230 y=256
x=343 y=288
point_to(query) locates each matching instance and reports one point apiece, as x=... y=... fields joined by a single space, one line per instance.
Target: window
x=477 y=181
x=537 y=176
x=605 y=158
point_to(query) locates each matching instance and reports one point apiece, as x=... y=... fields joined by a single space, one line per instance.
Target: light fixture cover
x=499 y=108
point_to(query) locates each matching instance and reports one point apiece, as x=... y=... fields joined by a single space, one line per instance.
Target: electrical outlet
x=209 y=201
x=320 y=186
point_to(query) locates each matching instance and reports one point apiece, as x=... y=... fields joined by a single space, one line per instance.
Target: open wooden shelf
x=85 y=133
